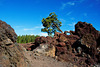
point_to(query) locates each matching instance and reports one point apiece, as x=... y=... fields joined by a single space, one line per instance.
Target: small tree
x=51 y=24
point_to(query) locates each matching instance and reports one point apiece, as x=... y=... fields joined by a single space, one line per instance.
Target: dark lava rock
x=82 y=28
x=11 y=54
x=98 y=42
x=48 y=40
x=6 y=31
x=62 y=44
x=81 y=47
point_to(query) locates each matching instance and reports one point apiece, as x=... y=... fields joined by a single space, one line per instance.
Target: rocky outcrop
x=6 y=31
x=82 y=28
x=88 y=42
x=81 y=47
x=11 y=54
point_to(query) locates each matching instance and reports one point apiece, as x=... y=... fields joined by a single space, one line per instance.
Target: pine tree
x=51 y=24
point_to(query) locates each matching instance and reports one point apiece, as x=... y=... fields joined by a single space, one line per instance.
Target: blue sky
x=25 y=15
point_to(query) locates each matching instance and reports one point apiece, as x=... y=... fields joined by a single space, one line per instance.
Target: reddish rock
x=82 y=28
x=29 y=49
x=80 y=48
x=51 y=40
x=62 y=38
x=56 y=35
x=71 y=32
x=60 y=50
x=88 y=40
x=48 y=40
x=72 y=39
x=62 y=44
x=40 y=40
x=28 y=46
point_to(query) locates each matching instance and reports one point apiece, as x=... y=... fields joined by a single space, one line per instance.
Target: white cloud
x=62 y=20
x=28 y=29
x=43 y=34
x=41 y=26
x=71 y=3
x=63 y=5
x=69 y=13
x=31 y=34
x=36 y=27
x=68 y=3
x=73 y=24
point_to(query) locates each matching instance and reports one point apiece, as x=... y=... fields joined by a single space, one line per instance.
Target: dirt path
x=43 y=61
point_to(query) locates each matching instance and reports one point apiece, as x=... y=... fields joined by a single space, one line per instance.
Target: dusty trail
x=44 y=61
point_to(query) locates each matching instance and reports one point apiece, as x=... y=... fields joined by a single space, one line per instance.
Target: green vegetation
x=26 y=38
x=51 y=24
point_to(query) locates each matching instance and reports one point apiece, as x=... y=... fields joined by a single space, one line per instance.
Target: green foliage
x=26 y=38
x=51 y=24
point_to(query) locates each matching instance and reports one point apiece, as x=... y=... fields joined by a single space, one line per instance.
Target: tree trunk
x=58 y=28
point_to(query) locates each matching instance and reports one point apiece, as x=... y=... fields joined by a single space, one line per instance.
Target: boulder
x=84 y=42
x=11 y=54
x=28 y=46
x=7 y=31
x=48 y=40
x=62 y=38
x=88 y=40
x=62 y=44
x=82 y=28
x=45 y=49
x=40 y=40
x=72 y=39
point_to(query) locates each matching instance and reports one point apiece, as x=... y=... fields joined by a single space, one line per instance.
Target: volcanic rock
x=45 y=49
x=81 y=47
x=48 y=40
x=7 y=31
x=82 y=28
x=62 y=44
x=11 y=54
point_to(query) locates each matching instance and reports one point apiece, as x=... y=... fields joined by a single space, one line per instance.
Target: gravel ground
x=43 y=61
